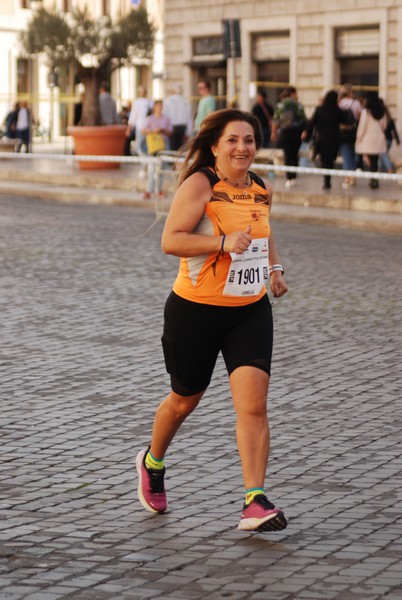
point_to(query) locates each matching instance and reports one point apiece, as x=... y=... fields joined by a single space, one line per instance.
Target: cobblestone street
x=81 y=373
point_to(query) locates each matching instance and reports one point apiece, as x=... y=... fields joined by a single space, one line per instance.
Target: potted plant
x=95 y=47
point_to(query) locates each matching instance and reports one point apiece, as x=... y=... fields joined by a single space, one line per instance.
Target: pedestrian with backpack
x=11 y=122
x=287 y=126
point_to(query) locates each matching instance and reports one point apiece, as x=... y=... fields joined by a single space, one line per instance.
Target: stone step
x=119 y=179
x=351 y=201
x=360 y=220
x=75 y=194
x=300 y=212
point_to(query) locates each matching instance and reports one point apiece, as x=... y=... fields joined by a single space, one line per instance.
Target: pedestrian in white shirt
x=178 y=110
x=140 y=109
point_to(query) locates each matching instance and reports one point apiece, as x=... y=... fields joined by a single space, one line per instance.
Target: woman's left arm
x=277 y=280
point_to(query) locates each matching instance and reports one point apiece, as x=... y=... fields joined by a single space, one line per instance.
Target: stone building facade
x=308 y=43
x=52 y=101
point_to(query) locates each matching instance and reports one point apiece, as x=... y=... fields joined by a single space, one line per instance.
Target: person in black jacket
x=391 y=134
x=324 y=127
x=264 y=113
x=11 y=122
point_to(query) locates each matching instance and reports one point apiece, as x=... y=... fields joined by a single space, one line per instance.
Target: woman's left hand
x=278 y=284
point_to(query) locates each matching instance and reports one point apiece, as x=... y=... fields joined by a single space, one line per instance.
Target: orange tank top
x=202 y=278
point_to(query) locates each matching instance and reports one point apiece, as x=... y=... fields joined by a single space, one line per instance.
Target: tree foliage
x=93 y=46
x=47 y=32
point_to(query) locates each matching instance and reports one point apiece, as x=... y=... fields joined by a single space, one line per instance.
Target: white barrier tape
x=166 y=158
x=81 y=158
x=318 y=171
x=305 y=170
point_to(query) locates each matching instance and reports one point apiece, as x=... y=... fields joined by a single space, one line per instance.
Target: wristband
x=223 y=243
x=277 y=267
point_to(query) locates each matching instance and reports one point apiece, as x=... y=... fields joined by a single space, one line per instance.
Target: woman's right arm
x=185 y=213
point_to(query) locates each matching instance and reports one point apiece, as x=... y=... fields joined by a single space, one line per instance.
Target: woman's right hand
x=238 y=241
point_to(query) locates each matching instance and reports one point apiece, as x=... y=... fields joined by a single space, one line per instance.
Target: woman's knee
x=250 y=391
x=253 y=408
x=182 y=406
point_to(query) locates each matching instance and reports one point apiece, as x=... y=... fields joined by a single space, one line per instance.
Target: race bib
x=248 y=272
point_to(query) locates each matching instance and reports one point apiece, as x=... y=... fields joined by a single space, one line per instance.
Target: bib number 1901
x=247 y=276
x=249 y=270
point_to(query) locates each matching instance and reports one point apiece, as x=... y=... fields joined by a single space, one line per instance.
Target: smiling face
x=236 y=149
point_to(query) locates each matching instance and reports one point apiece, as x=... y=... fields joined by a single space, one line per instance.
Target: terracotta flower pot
x=105 y=140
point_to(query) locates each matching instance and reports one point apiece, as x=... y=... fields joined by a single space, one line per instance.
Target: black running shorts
x=195 y=333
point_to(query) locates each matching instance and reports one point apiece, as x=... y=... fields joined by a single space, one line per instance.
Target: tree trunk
x=91 y=77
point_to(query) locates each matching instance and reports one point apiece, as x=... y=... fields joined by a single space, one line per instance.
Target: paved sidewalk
x=81 y=372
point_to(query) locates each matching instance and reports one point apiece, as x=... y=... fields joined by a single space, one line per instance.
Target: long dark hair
x=374 y=106
x=330 y=102
x=199 y=153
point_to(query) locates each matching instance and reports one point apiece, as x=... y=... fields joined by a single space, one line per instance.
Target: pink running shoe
x=261 y=515
x=151 y=487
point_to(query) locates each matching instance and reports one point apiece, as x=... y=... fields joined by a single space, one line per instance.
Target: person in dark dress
x=324 y=127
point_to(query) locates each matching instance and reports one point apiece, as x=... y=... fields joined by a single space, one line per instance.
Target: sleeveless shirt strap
x=212 y=177
x=257 y=179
